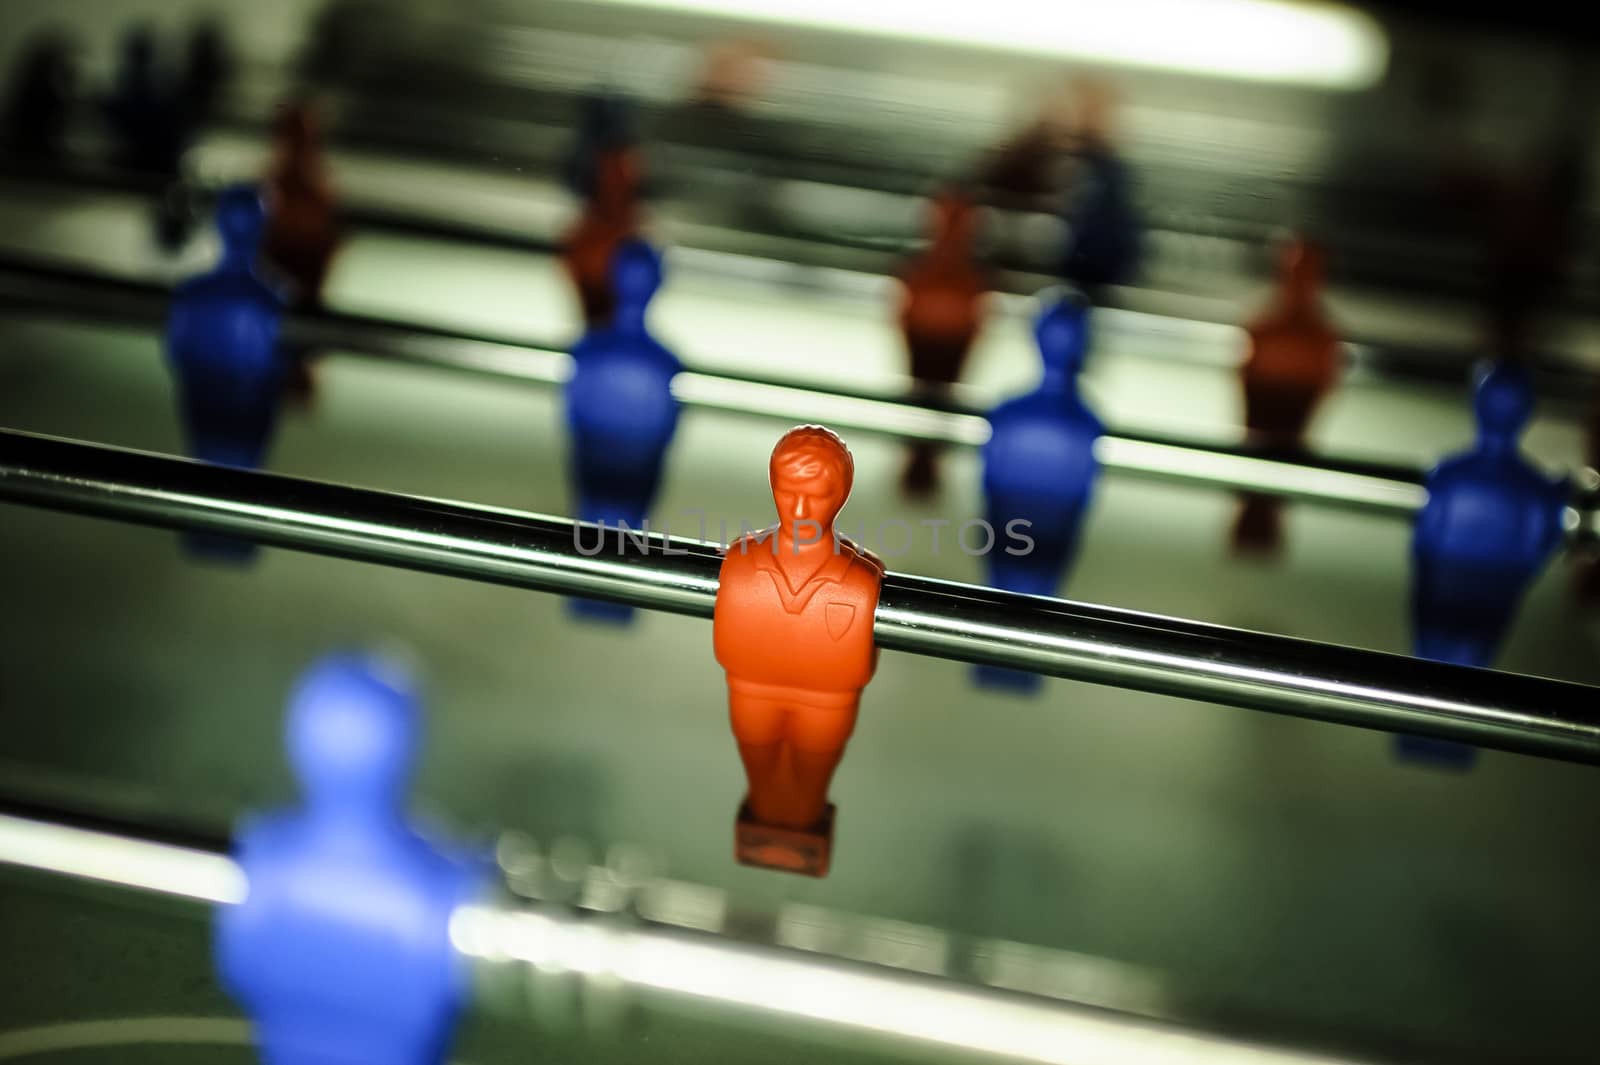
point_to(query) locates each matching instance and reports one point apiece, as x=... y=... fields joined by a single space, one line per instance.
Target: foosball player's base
x=806 y=851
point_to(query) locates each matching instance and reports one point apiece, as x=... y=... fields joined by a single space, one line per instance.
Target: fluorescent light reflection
x=851 y=412
x=798 y=986
x=1248 y=473
x=1313 y=44
x=112 y=859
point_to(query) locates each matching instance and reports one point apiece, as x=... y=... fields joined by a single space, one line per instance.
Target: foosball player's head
x=811 y=474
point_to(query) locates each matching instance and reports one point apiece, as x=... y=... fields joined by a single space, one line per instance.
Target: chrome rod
x=1175 y=325
x=1375 y=487
x=1078 y=641
x=551 y=942
x=196 y=874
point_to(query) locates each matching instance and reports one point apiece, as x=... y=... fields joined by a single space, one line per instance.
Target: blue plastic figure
x=605 y=124
x=207 y=68
x=145 y=113
x=39 y=103
x=620 y=408
x=152 y=121
x=1491 y=522
x=222 y=340
x=1103 y=244
x=1039 y=467
x=341 y=950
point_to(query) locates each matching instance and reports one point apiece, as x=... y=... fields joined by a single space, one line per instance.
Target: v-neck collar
x=830 y=572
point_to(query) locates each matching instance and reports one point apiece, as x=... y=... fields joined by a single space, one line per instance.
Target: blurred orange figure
x=793 y=628
x=734 y=73
x=610 y=218
x=1025 y=170
x=302 y=225
x=1032 y=170
x=941 y=310
x=1293 y=361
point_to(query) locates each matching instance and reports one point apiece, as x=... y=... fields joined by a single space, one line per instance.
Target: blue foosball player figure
x=1105 y=232
x=208 y=66
x=222 y=342
x=620 y=409
x=39 y=101
x=1103 y=245
x=605 y=124
x=1491 y=522
x=144 y=113
x=1039 y=470
x=341 y=950
x=151 y=125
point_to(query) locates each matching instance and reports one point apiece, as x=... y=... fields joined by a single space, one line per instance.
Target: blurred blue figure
x=39 y=102
x=1490 y=523
x=152 y=120
x=1039 y=468
x=207 y=68
x=222 y=341
x=605 y=124
x=620 y=409
x=1103 y=242
x=144 y=111
x=340 y=951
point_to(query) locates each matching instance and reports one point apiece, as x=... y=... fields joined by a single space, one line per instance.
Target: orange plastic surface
x=302 y=223
x=1293 y=362
x=942 y=307
x=611 y=217
x=793 y=628
x=807 y=851
x=941 y=311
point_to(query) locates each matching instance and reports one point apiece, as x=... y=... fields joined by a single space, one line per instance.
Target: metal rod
x=549 y=942
x=137 y=863
x=1375 y=487
x=1163 y=322
x=1078 y=641
x=1378 y=488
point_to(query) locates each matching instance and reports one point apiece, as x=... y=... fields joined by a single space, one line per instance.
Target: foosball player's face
x=810 y=481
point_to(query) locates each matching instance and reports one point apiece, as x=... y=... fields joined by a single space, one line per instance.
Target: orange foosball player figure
x=611 y=217
x=941 y=311
x=793 y=628
x=303 y=231
x=1292 y=363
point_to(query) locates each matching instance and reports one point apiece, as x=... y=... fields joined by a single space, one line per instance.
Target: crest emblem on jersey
x=839 y=617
